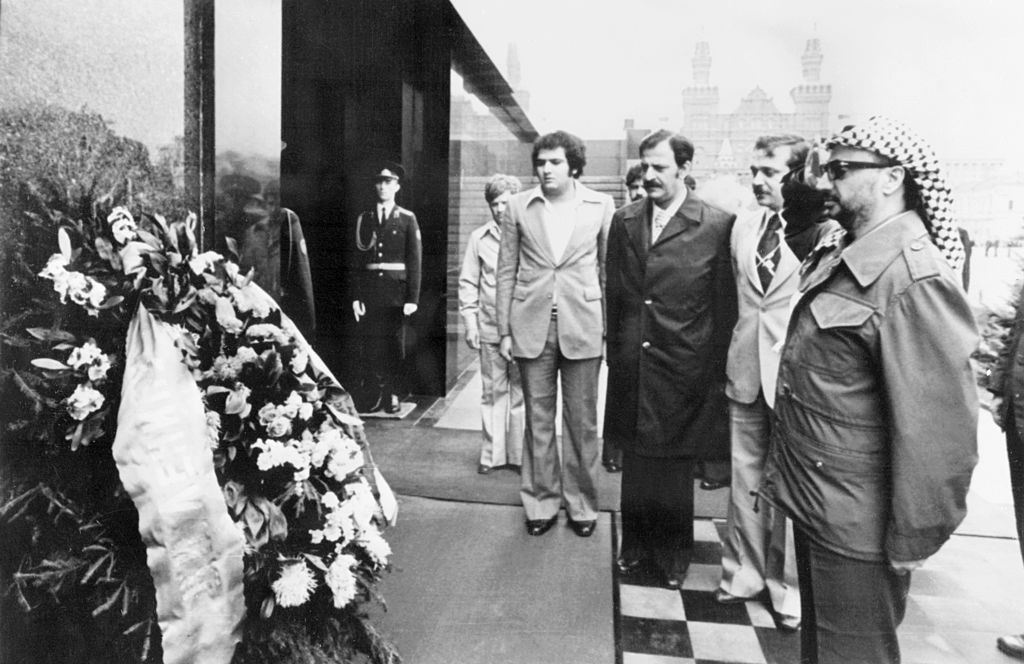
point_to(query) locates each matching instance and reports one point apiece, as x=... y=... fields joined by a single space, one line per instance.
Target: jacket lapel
x=687 y=215
x=535 y=226
x=788 y=264
x=638 y=230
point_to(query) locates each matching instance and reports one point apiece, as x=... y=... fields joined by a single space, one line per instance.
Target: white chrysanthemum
x=250 y=298
x=341 y=580
x=291 y=405
x=294 y=585
x=374 y=543
x=339 y=524
x=316 y=536
x=245 y=354
x=330 y=500
x=84 y=401
x=305 y=411
x=279 y=426
x=263 y=331
x=362 y=503
x=267 y=414
x=346 y=457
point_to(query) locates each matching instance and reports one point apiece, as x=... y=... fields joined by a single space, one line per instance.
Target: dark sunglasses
x=836 y=169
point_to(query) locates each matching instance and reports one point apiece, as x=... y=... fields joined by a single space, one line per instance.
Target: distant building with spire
x=723 y=140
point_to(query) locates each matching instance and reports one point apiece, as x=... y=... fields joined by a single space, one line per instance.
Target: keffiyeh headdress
x=895 y=141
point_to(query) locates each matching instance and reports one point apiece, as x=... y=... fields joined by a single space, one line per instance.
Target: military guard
x=388 y=282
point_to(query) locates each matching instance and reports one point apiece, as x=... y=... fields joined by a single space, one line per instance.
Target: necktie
x=768 y=251
x=658 y=223
x=380 y=215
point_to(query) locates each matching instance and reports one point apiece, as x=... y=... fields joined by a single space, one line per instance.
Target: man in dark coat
x=388 y=288
x=671 y=309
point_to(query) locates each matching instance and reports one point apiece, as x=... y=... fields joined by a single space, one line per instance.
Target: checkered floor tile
x=661 y=626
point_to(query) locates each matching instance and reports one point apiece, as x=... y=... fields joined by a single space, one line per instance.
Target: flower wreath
x=289 y=453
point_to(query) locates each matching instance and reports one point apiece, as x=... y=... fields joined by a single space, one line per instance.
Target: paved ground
x=471 y=587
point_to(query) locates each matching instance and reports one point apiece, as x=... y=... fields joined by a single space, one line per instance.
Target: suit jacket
x=393 y=243
x=753 y=363
x=530 y=277
x=671 y=308
x=763 y=315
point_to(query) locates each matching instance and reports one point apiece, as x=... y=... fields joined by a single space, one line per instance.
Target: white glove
x=902 y=567
x=408 y=309
x=358 y=309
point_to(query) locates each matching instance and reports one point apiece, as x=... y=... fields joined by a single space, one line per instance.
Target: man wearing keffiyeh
x=876 y=410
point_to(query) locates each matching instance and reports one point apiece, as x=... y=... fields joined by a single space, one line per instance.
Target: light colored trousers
x=548 y=482
x=501 y=409
x=758 y=548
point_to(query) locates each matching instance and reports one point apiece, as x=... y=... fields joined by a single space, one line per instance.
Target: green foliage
x=72 y=567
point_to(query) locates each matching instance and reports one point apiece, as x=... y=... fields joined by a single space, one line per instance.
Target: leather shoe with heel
x=583 y=528
x=537 y=527
x=1012 y=645
x=628 y=565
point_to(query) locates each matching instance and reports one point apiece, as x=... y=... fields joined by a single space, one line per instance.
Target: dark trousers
x=657 y=511
x=1015 y=455
x=851 y=608
x=382 y=347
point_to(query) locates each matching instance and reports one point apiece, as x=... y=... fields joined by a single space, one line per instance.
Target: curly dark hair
x=575 y=150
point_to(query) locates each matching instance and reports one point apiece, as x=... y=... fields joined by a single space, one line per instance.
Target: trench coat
x=671 y=310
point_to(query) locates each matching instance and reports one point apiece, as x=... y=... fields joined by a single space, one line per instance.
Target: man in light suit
x=550 y=310
x=758 y=548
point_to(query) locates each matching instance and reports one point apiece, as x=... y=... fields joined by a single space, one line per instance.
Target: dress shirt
x=660 y=217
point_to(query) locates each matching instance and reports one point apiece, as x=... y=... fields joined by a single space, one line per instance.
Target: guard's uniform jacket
x=876 y=410
x=388 y=260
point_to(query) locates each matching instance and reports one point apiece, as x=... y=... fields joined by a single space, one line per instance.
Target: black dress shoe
x=674 y=580
x=583 y=528
x=711 y=485
x=515 y=468
x=1012 y=645
x=484 y=470
x=612 y=467
x=537 y=527
x=628 y=565
x=392 y=406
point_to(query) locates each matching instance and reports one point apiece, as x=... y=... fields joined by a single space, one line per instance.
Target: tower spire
x=702 y=64
x=811 y=61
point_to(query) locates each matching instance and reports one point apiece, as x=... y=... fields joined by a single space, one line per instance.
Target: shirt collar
x=388 y=208
x=868 y=256
x=492 y=227
x=671 y=210
x=584 y=194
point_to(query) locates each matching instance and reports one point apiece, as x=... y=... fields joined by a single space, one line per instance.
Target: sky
x=949 y=69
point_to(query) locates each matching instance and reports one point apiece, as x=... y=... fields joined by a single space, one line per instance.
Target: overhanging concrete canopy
x=482 y=78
